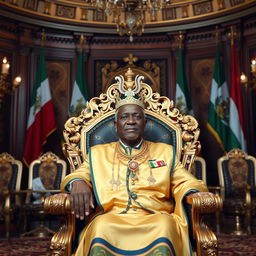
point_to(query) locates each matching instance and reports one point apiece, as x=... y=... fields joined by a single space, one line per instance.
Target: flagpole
x=236 y=120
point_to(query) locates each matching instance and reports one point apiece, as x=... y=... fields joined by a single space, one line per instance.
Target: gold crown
x=129 y=89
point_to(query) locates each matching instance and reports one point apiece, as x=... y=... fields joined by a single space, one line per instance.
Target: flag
x=183 y=102
x=236 y=121
x=41 y=120
x=80 y=94
x=218 y=117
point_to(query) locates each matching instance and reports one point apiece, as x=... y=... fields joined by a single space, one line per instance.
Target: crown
x=129 y=89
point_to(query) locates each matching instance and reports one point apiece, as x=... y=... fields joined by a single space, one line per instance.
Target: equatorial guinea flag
x=236 y=121
x=182 y=99
x=80 y=94
x=218 y=117
x=41 y=120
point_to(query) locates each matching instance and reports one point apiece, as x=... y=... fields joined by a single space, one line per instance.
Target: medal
x=133 y=165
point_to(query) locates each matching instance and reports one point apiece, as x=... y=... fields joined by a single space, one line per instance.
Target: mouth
x=131 y=130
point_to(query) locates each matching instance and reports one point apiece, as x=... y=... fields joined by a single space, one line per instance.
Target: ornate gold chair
x=237 y=177
x=165 y=124
x=10 y=180
x=45 y=176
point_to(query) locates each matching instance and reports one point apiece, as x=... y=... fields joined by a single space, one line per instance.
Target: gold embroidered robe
x=140 y=218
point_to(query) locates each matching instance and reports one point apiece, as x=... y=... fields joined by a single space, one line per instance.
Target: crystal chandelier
x=129 y=15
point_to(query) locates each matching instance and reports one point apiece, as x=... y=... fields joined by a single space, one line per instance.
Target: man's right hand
x=81 y=199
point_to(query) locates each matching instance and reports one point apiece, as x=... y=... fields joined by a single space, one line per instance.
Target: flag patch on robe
x=156 y=163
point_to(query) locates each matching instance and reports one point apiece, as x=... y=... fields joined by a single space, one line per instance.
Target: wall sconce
x=250 y=84
x=7 y=87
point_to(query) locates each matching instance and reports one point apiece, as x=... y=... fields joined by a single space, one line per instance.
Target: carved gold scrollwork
x=236 y=153
x=204 y=202
x=5 y=157
x=48 y=157
x=104 y=105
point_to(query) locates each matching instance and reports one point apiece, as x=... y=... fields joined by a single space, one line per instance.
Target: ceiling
x=81 y=16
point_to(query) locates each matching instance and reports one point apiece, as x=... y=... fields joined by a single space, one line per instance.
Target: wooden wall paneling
x=98 y=59
x=201 y=65
x=249 y=52
x=251 y=99
x=7 y=46
x=21 y=103
x=5 y=112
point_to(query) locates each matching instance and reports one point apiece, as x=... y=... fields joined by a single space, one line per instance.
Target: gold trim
x=102 y=107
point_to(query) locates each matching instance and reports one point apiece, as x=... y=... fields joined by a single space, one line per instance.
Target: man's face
x=130 y=124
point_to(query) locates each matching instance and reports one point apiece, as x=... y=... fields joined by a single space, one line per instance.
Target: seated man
x=139 y=187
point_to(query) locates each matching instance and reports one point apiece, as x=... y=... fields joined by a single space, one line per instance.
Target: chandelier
x=129 y=15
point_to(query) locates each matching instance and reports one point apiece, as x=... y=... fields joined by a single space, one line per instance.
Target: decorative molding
x=30 y=4
x=202 y=8
x=65 y=11
x=80 y=16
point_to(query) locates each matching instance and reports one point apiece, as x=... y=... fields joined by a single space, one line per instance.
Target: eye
x=138 y=117
x=123 y=117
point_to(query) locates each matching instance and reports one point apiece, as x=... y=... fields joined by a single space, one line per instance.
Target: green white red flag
x=79 y=94
x=41 y=120
x=182 y=99
x=236 y=121
x=218 y=117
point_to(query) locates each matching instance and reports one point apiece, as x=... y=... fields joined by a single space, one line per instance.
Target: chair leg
x=41 y=230
x=218 y=217
x=7 y=220
x=238 y=226
x=248 y=221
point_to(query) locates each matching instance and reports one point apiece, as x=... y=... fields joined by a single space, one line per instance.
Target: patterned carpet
x=32 y=246
x=27 y=246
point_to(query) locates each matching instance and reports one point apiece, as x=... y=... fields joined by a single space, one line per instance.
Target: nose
x=130 y=120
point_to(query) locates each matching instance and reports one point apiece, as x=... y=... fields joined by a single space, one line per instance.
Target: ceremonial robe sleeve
x=83 y=172
x=182 y=183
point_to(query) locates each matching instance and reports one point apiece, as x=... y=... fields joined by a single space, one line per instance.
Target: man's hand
x=81 y=199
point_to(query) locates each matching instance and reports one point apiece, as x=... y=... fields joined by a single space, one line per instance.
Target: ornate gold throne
x=165 y=124
x=237 y=178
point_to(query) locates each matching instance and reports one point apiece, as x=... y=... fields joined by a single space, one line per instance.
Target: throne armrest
x=61 y=242
x=204 y=202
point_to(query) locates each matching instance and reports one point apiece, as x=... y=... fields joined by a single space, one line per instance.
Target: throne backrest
x=46 y=173
x=236 y=171
x=10 y=172
x=10 y=175
x=165 y=124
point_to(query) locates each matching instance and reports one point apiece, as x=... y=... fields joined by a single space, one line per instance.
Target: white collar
x=125 y=146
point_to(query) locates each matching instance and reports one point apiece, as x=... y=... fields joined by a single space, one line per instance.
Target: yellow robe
x=137 y=218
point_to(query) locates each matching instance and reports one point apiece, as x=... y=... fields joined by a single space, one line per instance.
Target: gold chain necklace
x=133 y=163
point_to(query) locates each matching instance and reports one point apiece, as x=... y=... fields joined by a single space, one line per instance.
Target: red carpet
x=231 y=245
x=25 y=246
x=32 y=246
